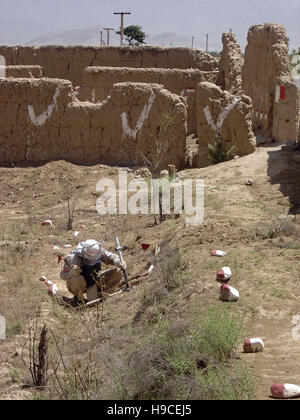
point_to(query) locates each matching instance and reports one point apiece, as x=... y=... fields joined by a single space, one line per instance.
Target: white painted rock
x=229 y=294
x=151 y=268
x=285 y=391
x=218 y=253
x=224 y=274
x=76 y=234
x=47 y=223
x=53 y=289
x=254 y=345
x=68 y=246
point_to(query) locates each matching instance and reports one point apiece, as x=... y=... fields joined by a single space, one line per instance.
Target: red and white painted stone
x=254 y=345
x=229 y=294
x=53 y=289
x=218 y=253
x=47 y=223
x=224 y=275
x=285 y=391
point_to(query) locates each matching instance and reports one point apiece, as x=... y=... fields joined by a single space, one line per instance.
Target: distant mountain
x=69 y=22
x=91 y=36
x=86 y=36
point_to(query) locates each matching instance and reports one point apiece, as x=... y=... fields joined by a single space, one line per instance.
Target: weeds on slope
x=179 y=361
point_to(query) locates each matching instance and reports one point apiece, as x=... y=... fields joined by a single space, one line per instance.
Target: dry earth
x=238 y=219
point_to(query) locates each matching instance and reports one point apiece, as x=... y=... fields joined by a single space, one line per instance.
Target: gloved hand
x=123 y=265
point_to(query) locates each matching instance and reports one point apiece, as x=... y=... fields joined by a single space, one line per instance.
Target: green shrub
x=220 y=332
x=182 y=362
x=217 y=154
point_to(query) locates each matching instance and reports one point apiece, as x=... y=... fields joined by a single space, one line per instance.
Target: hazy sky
x=26 y=19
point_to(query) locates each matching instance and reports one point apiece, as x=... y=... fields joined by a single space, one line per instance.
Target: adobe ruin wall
x=24 y=71
x=69 y=62
x=98 y=82
x=42 y=120
x=267 y=80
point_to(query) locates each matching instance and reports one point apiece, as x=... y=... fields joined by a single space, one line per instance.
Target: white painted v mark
x=132 y=132
x=222 y=115
x=41 y=119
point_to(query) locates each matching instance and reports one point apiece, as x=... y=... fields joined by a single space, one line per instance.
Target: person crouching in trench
x=82 y=270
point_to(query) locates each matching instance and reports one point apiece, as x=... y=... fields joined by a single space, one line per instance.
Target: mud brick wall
x=98 y=82
x=225 y=117
x=24 y=71
x=42 y=120
x=231 y=64
x=69 y=62
x=267 y=80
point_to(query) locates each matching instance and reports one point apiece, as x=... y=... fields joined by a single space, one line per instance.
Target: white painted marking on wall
x=2 y=66
x=41 y=119
x=222 y=115
x=93 y=96
x=2 y=328
x=132 y=132
x=277 y=94
x=209 y=118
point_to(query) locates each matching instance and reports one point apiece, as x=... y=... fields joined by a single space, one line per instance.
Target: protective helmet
x=92 y=250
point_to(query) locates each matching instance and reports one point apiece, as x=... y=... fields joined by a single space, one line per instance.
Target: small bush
x=165 y=279
x=223 y=383
x=181 y=362
x=217 y=154
x=274 y=229
x=220 y=332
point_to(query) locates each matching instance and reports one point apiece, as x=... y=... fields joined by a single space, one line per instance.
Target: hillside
x=257 y=226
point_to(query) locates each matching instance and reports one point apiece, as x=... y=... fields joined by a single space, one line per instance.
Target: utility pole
x=207 y=43
x=108 y=30
x=122 y=23
x=192 y=42
x=101 y=38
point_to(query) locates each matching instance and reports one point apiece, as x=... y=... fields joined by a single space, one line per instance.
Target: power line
x=108 y=31
x=206 y=47
x=122 y=23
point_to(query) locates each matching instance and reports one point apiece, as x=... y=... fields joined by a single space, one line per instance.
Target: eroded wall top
x=231 y=64
x=70 y=62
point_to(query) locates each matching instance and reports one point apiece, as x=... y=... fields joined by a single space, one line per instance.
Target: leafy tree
x=134 y=35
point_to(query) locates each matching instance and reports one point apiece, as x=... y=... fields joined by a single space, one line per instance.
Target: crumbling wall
x=230 y=65
x=42 y=121
x=267 y=80
x=24 y=71
x=69 y=62
x=225 y=117
x=98 y=82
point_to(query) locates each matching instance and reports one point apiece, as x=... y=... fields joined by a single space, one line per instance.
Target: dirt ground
x=258 y=226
